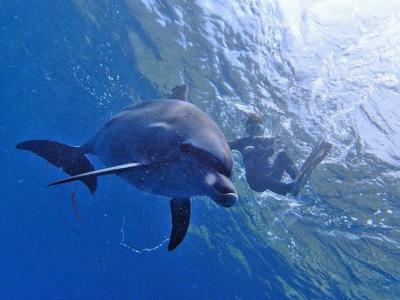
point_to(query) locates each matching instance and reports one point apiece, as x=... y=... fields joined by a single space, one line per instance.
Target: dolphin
x=165 y=146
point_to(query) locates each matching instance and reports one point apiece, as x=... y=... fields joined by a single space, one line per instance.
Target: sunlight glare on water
x=348 y=55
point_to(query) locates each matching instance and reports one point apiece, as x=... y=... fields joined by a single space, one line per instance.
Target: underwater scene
x=250 y=149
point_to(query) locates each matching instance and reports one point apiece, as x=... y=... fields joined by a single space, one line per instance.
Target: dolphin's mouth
x=228 y=199
x=225 y=192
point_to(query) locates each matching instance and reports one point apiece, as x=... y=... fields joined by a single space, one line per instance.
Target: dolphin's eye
x=224 y=189
x=205 y=156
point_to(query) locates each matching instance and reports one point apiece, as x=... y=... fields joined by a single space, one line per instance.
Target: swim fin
x=317 y=155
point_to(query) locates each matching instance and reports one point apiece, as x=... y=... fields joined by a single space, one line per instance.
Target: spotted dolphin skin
x=167 y=147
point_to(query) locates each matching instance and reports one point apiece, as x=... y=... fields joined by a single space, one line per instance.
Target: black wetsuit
x=261 y=173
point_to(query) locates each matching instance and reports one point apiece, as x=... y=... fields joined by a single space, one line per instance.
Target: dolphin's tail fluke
x=71 y=159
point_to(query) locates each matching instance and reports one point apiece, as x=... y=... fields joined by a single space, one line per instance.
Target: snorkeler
x=262 y=171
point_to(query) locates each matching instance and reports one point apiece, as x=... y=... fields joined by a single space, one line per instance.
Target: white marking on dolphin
x=167 y=147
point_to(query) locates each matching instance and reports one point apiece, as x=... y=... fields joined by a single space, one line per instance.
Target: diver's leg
x=277 y=186
x=264 y=181
x=283 y=163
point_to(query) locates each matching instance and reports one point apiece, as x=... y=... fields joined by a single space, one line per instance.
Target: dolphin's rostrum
x=167 y=147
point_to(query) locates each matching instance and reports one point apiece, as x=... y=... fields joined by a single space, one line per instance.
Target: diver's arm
x=269 y=141
x=268 y=144
x=233 y=145
x=237 y=144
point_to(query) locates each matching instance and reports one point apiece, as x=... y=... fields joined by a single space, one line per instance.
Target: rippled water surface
x=314 y=69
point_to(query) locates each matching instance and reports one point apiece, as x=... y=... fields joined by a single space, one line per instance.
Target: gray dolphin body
x=167 y=147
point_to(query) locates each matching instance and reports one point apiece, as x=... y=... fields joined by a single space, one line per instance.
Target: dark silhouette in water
x=74 y=206
x=261 y=172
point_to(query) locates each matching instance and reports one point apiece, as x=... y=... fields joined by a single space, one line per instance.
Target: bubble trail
x=140 y=251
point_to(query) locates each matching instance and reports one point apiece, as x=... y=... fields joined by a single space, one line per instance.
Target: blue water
x=313 y=69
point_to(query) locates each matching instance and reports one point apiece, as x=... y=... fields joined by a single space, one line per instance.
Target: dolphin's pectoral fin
x=180 y=211
x=180 y=92
x=101 y=172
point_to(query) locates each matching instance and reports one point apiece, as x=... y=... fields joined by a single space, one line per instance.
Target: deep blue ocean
x=312 y=68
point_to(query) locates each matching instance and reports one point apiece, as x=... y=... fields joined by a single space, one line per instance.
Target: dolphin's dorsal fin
x=180 y=212
x=112 y=170
x=180 y=92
